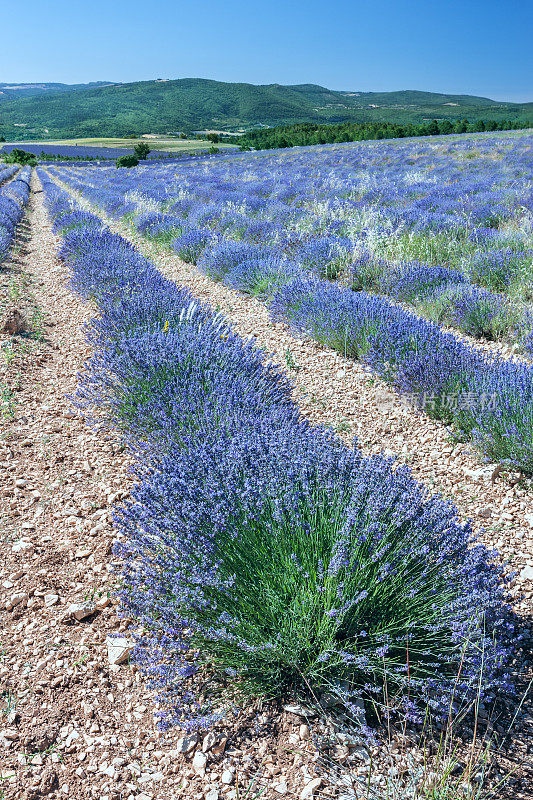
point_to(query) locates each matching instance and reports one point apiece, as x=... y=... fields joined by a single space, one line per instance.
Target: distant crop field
x=112 y=147
x=167 y=145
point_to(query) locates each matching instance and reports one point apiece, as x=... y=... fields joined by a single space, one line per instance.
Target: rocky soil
x=76 y=719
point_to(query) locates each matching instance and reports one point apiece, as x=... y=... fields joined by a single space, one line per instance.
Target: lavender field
x=402 y=255
x=270 y=559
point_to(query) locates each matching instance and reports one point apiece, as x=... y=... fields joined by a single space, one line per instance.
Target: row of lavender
x=488 y=400
x=7 y=172
x=446 y=227
x=13 y=198
x=256 y=547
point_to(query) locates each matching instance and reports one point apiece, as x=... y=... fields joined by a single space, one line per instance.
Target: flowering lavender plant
x=13 y=199
x=412 y=280
x=190 y=244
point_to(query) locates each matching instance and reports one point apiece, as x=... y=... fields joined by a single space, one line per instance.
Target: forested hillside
x=189 y=104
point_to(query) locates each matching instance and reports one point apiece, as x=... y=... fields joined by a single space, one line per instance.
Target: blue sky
x=468 y=47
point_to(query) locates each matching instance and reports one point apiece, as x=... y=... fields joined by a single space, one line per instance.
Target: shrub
x=366 y=272
x=261 y=277
x=496 y=268
x=413 y=279
x=159 y=227
x=324 y=257
x=141 y=151
x=477 y=312
x=190 y=244
x=298 y=564
x=18 y=156
x=223 y=256
x=127 y=161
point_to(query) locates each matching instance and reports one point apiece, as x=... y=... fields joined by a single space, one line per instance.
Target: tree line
x=308 y=133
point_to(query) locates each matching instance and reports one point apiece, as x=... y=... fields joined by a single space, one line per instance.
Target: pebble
x=16 y=599
x=303 y=732
x=51 y=600
x=300 y=711
x=209 y=741
x=80 y=611
x=310 y=788
x=118 y=649
x=199 y=763
x=227 y=777
x=186 y=743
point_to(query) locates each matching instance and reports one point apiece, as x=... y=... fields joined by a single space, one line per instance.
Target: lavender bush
x=190 y=244
x=496 y=268
x=366 y=272
x=262 y=277
x=13 y=199
x=477 y=312
x=413 y=280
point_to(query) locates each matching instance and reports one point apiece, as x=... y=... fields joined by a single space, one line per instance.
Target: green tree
x=141 y=150
x=213 y=137
x=127 y=161
x=17 y=156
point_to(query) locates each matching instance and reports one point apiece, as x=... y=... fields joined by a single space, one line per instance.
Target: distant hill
x=14 y=91
x=166 y=106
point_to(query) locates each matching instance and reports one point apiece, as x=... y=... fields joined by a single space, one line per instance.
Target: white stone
x=199 y=762
x=21 y=547
x=527 y=574
x=51 y=600
x=310 y=788
x=304 y=732
x=209 y=741
x=118 y=649
x=16 y=599
x=301 y=711
x=227 y=777
x=186 y=743
x=80 y=611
